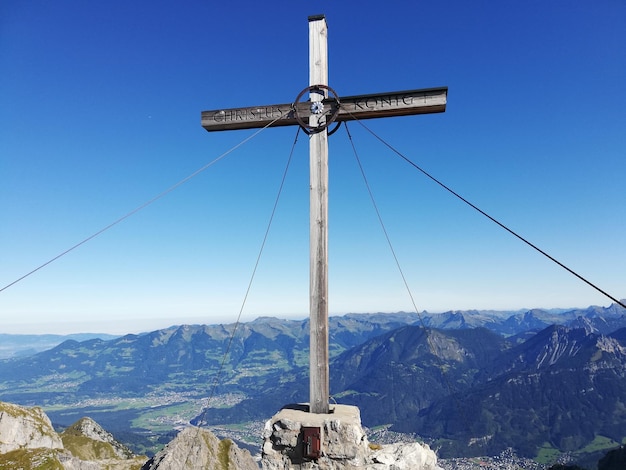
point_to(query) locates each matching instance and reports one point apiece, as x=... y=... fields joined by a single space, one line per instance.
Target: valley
x=545 y=384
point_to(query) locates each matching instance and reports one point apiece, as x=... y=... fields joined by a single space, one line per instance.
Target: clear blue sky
x=100 y=111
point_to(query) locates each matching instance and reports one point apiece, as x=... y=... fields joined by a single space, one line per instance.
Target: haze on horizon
x=144 y=325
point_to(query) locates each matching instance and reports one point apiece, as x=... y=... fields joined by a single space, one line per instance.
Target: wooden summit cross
x=315 y=116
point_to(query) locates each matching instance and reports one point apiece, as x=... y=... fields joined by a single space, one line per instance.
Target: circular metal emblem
x=328 y=109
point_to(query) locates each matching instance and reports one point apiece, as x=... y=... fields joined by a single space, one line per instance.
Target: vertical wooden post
x=318 y=287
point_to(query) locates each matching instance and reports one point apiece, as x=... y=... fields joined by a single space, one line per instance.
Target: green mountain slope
x=472 y=390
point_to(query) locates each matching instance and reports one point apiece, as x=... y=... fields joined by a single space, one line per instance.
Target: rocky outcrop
x=296 y=439
x=87 y=440
x=26 y=428
x=28 y=441
x=405 y=457
x=196 y=448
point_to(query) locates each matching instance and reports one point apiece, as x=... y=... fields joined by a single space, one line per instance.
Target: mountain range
x=12 y=345
x=469 y=382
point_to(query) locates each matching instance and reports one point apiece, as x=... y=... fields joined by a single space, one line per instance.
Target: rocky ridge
x=28 y=441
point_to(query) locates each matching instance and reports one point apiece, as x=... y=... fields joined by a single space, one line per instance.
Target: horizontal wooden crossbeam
x=378 y=105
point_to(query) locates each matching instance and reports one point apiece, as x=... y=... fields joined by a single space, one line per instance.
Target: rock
x=286 y=432
x=343 y=444
x=197 y=448
x=28 y=441
x=87 y=440
x=406 y=456
x=26 y=428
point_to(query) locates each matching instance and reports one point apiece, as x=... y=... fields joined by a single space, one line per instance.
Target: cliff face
x=26 y=428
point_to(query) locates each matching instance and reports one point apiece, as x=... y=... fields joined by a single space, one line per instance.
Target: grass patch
x=41 y=459
x=88 y=449
x=547 y=454
x=222 y=453
x=599 y=443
